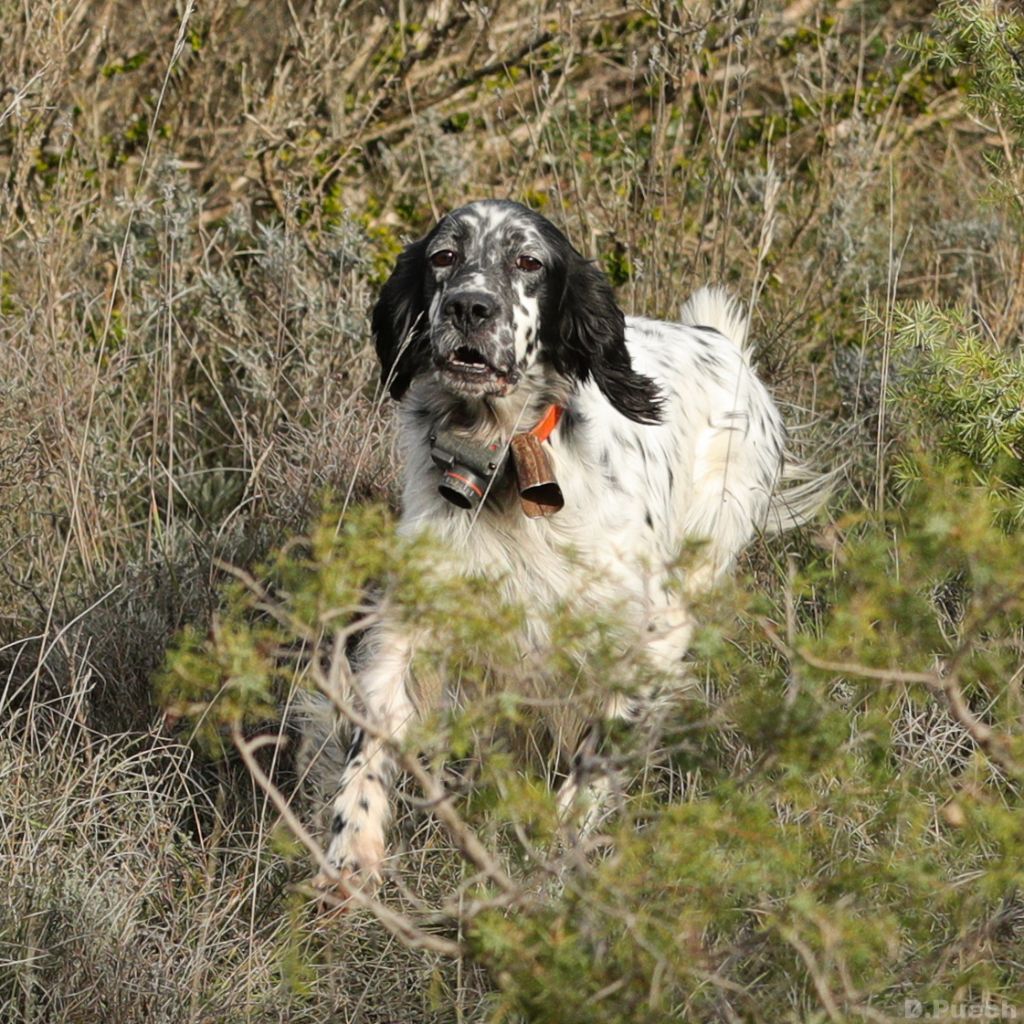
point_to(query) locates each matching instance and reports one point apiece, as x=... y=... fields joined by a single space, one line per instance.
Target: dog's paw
x=358 y=851
x=356 y=859
x=335 y=889
x=584 y=804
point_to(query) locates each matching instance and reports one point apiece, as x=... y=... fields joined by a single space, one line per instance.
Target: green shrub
x=795 y=846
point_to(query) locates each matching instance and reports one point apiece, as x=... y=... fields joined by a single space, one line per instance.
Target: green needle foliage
x=830 y=822
x=961 y=398
x=985 y=40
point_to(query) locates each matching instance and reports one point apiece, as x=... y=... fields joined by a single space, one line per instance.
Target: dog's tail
x=716 y=308
x=801 y=493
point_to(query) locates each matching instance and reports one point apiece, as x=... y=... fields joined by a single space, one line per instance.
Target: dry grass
x=197 y=207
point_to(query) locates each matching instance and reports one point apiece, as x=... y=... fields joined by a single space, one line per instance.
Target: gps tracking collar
x=469 y=467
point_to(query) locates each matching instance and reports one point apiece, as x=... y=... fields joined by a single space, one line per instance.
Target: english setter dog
x=563 y=449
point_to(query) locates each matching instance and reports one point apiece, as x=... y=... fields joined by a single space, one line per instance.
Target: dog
x=564 y=450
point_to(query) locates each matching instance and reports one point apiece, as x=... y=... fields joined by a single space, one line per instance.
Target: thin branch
x=245 y=748
x=465 y=839
x=947 y=686
x=399 y=926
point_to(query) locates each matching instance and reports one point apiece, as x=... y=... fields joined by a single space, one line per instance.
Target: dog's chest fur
x=634 y=493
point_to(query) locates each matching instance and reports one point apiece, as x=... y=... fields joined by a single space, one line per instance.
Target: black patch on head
x=337 y=824
x=364 y=804
x=401 y=333
x=584 y=333
x=648 y=520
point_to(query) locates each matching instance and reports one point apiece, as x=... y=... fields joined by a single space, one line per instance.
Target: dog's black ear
x=593 y=343
x=399 y=321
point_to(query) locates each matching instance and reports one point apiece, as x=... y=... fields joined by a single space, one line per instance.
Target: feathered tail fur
x=715 y=307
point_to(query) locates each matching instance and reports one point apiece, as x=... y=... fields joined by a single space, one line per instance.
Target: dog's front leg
x=361 y=811
x=590 y=780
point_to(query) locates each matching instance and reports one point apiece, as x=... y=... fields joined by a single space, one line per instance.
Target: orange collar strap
x=546 y=427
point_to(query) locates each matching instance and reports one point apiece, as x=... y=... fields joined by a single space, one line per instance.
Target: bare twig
x=947 y=686
x=401 y=927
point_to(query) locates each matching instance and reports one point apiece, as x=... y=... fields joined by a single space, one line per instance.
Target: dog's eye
x=527 y=262
x=442 y=258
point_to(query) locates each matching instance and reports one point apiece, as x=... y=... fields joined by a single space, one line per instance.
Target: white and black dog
x=631 y=439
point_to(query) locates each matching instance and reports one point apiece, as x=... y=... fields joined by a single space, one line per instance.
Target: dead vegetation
x=198 y=202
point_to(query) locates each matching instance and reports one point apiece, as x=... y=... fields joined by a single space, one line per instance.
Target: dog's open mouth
x=466 y=359
x=468 y=366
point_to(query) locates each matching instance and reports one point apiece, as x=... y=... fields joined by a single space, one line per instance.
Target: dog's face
x=492 y=292
x=488 y=276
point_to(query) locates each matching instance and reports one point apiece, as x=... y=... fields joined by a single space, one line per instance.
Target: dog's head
x=494 y=291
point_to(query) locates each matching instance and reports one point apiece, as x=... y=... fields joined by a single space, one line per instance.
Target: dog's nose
x=469 y=310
